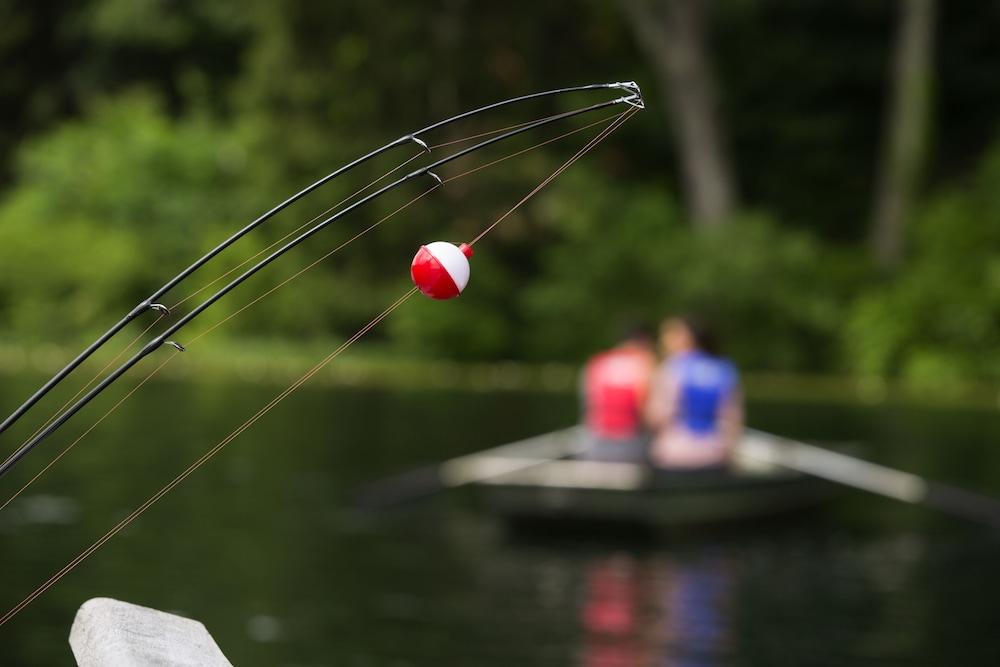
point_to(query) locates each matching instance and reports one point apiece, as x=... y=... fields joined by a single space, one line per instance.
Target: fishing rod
x=453 y=475
x=633 y=96
x=633 y=99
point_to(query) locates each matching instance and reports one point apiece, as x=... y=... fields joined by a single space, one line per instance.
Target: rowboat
x=549 y=478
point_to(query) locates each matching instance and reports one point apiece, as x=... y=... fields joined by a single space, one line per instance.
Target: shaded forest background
x=137 y=134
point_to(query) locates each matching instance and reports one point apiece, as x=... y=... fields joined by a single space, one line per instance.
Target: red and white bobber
x=441 y=269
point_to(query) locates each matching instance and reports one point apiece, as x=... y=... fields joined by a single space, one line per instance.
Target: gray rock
x=111 y=633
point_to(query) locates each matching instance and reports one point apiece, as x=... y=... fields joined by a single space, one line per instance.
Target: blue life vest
x=704 y=384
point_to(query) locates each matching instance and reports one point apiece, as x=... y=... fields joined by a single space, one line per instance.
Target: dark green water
x=258 y=544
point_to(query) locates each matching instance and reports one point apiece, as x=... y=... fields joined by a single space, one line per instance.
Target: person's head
x=637 y=335
x=687 y=333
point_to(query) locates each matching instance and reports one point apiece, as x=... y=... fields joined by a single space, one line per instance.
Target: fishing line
x=299 y=273
x=296 y=230
x=132 y=343
x=389 y=173
x=603 y=134
x=314 y=263
x=600 y=137
x=204 y=459
x=91 y=428
x=379 y=222
x=92 y=380
x=193 y=294
x=530 y=148
x=286 y=392
x=198 y=337
x=492 y=132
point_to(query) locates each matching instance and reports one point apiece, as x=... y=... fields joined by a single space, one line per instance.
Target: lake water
x=259 y=545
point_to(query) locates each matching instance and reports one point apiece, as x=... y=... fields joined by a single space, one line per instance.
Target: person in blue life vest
x=695 y=407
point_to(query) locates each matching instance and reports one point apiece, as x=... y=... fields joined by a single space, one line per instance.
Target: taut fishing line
x=615 y=123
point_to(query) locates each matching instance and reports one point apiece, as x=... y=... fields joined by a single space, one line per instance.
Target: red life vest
x=615 y=386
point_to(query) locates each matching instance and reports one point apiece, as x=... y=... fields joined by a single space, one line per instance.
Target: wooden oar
x=470 y=468
x=867 y=476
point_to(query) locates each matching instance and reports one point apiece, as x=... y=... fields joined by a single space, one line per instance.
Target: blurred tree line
x=819 y=177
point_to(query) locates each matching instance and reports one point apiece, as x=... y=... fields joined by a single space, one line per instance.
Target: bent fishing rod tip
x=634 y=98
x=627 y=86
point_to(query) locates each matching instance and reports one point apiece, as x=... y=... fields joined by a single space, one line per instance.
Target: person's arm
x=731 y=421
x=660 y=405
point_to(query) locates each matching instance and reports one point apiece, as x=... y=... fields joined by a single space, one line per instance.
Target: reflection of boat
x=535 y=480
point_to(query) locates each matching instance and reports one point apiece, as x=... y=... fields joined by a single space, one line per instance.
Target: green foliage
x=936 y=322
x=477 y=326
x=105 y=203
x=625 y=255
x=145 y=132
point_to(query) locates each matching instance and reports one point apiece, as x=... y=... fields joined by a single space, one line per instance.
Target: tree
x=671 y=32
x=906 y=129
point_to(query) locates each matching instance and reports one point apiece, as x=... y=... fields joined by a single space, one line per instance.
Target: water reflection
x=696 y=596
x=663 y=610
x=258 y=547
x=611 y=613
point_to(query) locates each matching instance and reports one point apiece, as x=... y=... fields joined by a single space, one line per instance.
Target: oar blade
x=398 y=489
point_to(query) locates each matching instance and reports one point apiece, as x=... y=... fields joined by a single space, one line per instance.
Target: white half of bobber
x=453 y=260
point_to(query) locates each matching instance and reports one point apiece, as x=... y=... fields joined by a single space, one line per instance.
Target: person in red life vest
x=615 y=384
x=695 y=406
